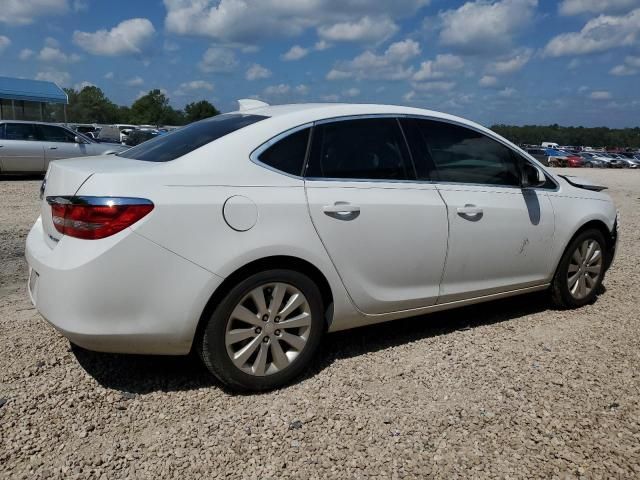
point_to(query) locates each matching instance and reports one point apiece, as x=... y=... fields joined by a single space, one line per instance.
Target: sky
x=571 y=62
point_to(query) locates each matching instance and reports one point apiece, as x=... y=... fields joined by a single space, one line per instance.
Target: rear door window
x=288 y=154
x=366 y=149
x=19 y=131
x=165 y=148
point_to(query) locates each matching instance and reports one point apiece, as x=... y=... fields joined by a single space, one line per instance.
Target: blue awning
x=31 y=90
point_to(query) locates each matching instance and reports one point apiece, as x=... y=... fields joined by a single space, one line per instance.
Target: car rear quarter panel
x=188 y=220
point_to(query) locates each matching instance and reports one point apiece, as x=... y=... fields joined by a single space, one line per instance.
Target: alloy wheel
x=268 y=329
x=585 y=268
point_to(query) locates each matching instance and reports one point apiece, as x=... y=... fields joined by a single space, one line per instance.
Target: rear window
x=173 y=145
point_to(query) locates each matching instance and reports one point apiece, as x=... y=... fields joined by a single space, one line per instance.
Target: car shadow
x=142 y=374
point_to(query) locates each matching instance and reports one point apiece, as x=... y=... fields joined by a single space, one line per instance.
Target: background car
x=561 y=158
x=591 y=161
x=539 y=154
x=28 y=147
x=611 y=161
x=136 y=137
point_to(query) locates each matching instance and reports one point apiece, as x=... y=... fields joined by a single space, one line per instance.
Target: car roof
x=302 y=113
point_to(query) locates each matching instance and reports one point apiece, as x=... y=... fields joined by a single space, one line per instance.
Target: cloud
x=365 y=29
x=295 y=53
x=193 y=86
x=388 y=66
x=482 y=26
x=301 y=89
x=4 y=43
x=507 y=92
x=26 y=54
x=134 y=82
x=170 y=47
x=60 y=78
x=129 y=37
x=351 y=92
x=321 y=45
x=108 y=75
x=622 y=70
x=598 y=35
x=512 y=64
x=218 y=60
x=629 y=67
x=577 y=7
x=600 y=95
x=441 y=67
x=488 y=81
x=55 y=55
x=433 y=86
x=284 y=89
x=80 y=86
x=257 y=72
x=330 y=98
x=24 y=12
x=249 y=21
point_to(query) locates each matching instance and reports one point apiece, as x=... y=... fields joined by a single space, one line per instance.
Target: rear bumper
x=121 y=294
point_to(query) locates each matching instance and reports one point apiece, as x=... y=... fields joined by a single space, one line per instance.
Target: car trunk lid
x=65 y=177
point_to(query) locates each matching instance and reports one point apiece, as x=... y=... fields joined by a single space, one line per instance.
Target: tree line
x=574 y=136
x=91 y=105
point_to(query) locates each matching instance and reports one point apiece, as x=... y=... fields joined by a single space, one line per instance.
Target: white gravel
x=510 y=389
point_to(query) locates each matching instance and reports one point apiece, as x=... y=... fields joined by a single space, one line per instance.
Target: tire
x=567 y=293
x=239 y=325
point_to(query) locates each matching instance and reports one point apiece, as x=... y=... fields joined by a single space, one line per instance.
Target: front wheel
x=581 y=271
x=264 y=332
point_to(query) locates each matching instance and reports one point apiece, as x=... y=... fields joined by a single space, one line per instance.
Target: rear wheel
x=265 y=331
x=581 y=271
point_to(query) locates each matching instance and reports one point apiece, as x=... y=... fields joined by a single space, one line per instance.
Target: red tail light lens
x=92 y=218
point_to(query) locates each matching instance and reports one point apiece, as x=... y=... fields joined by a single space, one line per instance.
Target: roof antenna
x=250 y=103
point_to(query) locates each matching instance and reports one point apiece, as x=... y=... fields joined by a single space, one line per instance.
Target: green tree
x=154 y=109
x=198 y=110
x=90 y=105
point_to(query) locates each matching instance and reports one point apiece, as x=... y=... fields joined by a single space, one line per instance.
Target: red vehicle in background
x=562 y=158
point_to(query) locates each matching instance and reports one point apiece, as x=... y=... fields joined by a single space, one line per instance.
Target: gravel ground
x=509 y=389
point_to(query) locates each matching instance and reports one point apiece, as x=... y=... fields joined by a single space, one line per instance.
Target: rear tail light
x=92 y=218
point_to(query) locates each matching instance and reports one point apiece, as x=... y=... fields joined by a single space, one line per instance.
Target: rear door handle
x=470 y=212
x=53 y=148
x=342 y=210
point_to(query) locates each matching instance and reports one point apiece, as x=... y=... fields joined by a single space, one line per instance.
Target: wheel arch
x=596 y=224
x=259 y=265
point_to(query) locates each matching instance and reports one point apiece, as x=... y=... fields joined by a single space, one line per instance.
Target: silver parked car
x=28 y=147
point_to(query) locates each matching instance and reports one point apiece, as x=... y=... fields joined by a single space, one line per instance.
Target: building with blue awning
x=24 y=99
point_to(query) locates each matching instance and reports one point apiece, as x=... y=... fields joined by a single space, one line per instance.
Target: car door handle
x=53 y=148
x=470 y=212
x=342 y=211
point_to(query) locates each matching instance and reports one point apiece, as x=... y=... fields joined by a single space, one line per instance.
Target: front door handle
x=342 y=211
x=53 y=148
x=470 y=212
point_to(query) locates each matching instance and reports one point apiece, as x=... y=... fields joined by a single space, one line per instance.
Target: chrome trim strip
x=96 y=201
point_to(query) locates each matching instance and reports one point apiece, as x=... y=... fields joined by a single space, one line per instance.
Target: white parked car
x=248 y=235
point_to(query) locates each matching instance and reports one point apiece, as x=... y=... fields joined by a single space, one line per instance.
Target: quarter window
x=462 y=155
x=370 y=148
x=288 y=154
x=19 y=131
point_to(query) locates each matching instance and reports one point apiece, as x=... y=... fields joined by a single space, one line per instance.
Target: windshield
x=170 y=146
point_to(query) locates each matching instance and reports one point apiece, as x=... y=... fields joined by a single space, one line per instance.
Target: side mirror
x=532 y=176
x=77 y=139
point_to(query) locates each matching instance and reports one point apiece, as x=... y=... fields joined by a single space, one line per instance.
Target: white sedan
x=248 y=235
